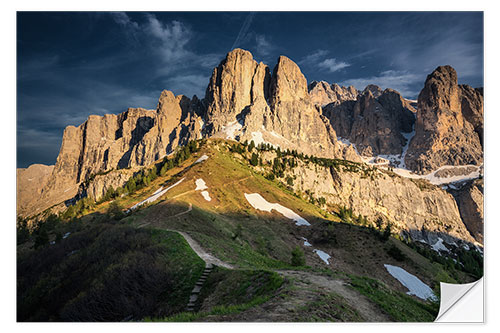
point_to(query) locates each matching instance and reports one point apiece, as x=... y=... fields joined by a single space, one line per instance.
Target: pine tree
x=255 y=159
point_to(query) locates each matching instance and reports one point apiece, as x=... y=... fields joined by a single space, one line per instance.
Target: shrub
x=298 y=258
x=396 y=253
x=115 y=211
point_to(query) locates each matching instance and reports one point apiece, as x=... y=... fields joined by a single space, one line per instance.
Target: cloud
x=169 y=39
x=313 y=58
x=405 y=82
x=124 y=20
x=264 y=47
x=332 y=65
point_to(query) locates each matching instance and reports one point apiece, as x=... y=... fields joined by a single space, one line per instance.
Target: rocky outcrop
x=374 y=124
x=470 y=204
x=472 y=107
x=322 y=93
x=246 y=102
x=449 y=119
x=375 y=90
x=136 y=137
x=98 y=187
x=235 y=84
x=30 y=182
x=414 y=207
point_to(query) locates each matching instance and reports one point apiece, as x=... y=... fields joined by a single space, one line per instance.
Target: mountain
x=449 y=124
x=374 y=122
x=322 y=93
x=246 y=101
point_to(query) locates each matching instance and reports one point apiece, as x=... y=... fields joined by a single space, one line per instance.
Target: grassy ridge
x=398 y=306
x=106 y=272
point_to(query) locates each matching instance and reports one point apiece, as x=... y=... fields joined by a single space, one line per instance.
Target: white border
x=8 y=132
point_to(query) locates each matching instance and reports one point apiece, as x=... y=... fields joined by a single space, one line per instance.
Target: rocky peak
x=287 y=82
x=375 y=90
x=230 y=88
x=398 y=108
x=321 y=93
x=443 y=135
x=374 y=124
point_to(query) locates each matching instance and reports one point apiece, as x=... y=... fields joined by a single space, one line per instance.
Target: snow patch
x=231 y=128
x=258 y=202
x=201 y=159
x=439 y=245
x=306 y=243
x=258 y=138
x=158 y=190
x=155 y=196
x=206 y=195
x=323 y=255
x=415 y=285
x=200 y=185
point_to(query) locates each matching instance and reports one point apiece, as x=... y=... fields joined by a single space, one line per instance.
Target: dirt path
x=207 y=257
x=291 y=304
x=369 y=311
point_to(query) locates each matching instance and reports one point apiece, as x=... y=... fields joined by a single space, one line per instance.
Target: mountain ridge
x=245 y=101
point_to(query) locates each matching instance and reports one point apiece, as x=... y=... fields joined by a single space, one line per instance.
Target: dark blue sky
x=71 y=65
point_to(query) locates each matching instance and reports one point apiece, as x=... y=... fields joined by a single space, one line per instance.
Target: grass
x=400 y=307
x=327 y=307
x=229 y=292
x=106 y=271
x=221 y=310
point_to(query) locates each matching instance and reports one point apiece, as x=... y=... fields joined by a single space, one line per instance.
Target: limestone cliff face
x=137 y=137
x=235 y=84
x=102 y=183
x=30 y=182
x=444 y=134
x=374 y=124
x=322 y=93
x=470 y=203
x=246 y=102
x=414 y=209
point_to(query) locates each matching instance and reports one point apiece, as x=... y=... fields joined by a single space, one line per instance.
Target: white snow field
x=323 y=255
x=155 y=196
x=206 y=195
x=258 y=202
x=410 y=281
x=201 y=159
x=200 y=185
